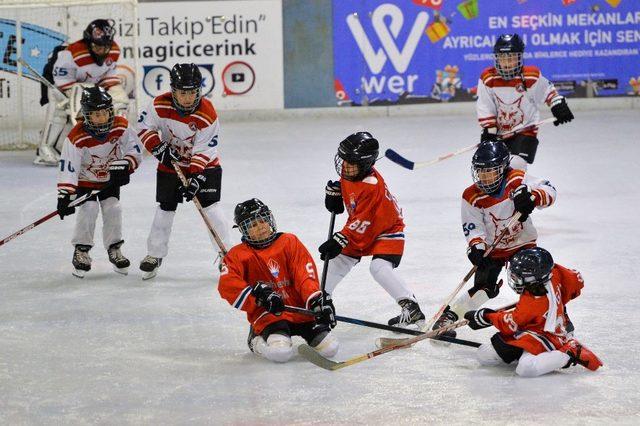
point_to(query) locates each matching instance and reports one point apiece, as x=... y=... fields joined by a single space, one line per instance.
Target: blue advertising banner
x=37 y=44
x=418 y=51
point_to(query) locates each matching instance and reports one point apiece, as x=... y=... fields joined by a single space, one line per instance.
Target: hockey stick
x=43 y=80
x=382 y=342
x=196 y=202
x=43 y=219
x=325 y=267
x=402 y=161
x=378 y=326
x=466 y=278
x=314 y=357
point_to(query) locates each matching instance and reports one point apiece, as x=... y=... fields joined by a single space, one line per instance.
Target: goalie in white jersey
x=89 y=61
x=99 y=153
x=509 y=95
x=180 y=126
x=499 y=192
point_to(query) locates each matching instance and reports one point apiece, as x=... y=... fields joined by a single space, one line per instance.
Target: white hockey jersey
x=505 y=104
x=75 y=65
x=85 y=160
x=194 y=137
x=484 y=216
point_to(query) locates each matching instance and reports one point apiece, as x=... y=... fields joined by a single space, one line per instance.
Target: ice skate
x=410 y=317
x=81 y=260
x=150 y=266
x=448 y=317
x=120 y=263
x=46 y=156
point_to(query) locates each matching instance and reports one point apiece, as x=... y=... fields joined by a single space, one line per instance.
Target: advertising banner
x=419 y=51
x=237 y=45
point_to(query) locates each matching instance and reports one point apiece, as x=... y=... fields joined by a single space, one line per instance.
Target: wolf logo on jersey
x=510 y=115
x=500 y=224
x=99 y=165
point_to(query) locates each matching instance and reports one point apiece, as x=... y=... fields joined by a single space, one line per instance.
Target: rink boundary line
x=439 y=109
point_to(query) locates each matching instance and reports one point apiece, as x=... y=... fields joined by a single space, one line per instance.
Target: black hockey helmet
x=530 y=269
x=360 y=149
x=489 y=166
x=186 y=77
x=507 y=53
x=93 y=99
x=249 y=213
x=99 y=32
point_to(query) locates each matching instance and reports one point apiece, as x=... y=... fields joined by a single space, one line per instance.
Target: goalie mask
x=489 y=166
x=98 y=37
x=356 y=156
x=530 y=269
x=97 y=110
x=256 y=223
x=507 y=53
x=186 y=87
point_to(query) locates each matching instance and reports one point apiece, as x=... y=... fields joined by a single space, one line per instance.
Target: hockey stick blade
x=314 y=357
x=399 y=159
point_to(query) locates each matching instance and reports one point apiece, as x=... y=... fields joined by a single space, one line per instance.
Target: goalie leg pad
x=531 y=365
x=85 y=224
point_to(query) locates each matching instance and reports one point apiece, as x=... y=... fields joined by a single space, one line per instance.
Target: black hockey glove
x=326 y=312
x=119 y=172
x=475 y=254
x=267 y=298
x=487 y=136
x=561 y=112
x=333 y=246
x=165 y=154
x=333 y=197
x=64 y=199
x=477 y=319
x=195 y=184
x=523 y=201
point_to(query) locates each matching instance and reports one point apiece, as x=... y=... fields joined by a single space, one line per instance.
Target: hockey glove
x=523 y=201
x=64 y=199
x=119 y=172
x=267 y=298
x=475 y=254
x=333 y=197
x=325 y=312
x=487 y=136
x=195 y=184
x=165 y=154
x=333 y=246
x=477 y=319
x=561 y=112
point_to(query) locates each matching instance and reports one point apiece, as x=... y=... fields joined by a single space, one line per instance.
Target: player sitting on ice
x=267 y=271
x=182 y=127
x=487 y=208
x=509 y=95
x=374 y=226
x=99 y=153
x=534 y=333
x=89 y=61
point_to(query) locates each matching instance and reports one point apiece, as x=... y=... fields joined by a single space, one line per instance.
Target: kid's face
x=259 y=230
x=99 y=117
x=185 y=98
x=100 y=51
x=349 y=170
x=488 y=176
x=508 y=60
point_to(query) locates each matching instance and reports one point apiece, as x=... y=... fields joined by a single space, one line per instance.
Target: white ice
x=110 y=349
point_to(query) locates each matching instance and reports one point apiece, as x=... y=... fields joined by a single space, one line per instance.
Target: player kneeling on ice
x=267 y=271
x=99 y=153
x=374 y=226
x=509 y=94
x=488 y=207
x=534 y=333
x=181 y=127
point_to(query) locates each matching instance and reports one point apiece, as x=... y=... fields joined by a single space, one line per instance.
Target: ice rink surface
x=109 y=349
